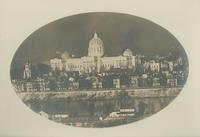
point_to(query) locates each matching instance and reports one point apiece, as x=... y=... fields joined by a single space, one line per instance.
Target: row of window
x=99 y=49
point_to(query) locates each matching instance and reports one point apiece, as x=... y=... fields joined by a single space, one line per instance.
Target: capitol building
x=95 y=61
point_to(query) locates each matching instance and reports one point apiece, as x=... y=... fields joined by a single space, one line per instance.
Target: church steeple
x=27 y=70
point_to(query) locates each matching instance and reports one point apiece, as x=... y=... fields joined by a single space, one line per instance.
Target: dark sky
x=118 y=31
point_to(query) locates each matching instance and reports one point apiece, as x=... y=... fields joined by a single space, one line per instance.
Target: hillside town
x=96 y=71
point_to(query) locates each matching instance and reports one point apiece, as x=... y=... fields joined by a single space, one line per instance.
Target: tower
x=130 y=58
x=27 y=70
x=96 y=50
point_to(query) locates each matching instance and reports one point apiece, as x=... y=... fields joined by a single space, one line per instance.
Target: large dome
x=127 y=52
x=95 y=40
x=96 y=46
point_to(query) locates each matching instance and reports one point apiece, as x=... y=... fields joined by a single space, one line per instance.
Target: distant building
x=138 y=59
x=18 y=85
x=134 y=81
x=171 y=66
x=143 y=80
x=166 y=65
x=179 y=61
x=73 y=84
x=156 y=82
x=172 y=82
x=95 y=61
x=41 y=85
x=166 y=73
x=154 y=66
x=27 y=71
x=56 y=64
x=116 y=83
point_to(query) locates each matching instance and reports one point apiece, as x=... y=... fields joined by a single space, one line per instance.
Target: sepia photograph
x=99 y=69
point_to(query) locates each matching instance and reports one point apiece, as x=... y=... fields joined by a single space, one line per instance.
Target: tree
x=123 y=99
x=52 y=84
x=141 y=108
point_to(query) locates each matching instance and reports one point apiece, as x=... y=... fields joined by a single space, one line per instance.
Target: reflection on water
x=97 y=113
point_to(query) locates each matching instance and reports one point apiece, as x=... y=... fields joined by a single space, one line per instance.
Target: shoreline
x=100 y=94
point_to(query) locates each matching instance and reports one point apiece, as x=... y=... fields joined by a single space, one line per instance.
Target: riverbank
x=93 y=108
x=101 y=94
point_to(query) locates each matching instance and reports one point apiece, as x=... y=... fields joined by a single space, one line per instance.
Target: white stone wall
x=56 y=64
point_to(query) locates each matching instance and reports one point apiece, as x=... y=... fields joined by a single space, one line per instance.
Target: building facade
x=56 y=64
x=95 y=61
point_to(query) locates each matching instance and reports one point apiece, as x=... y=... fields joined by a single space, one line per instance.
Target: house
x=134 y=81
x=116 y=83
x=156 y=82
x=172 y=82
